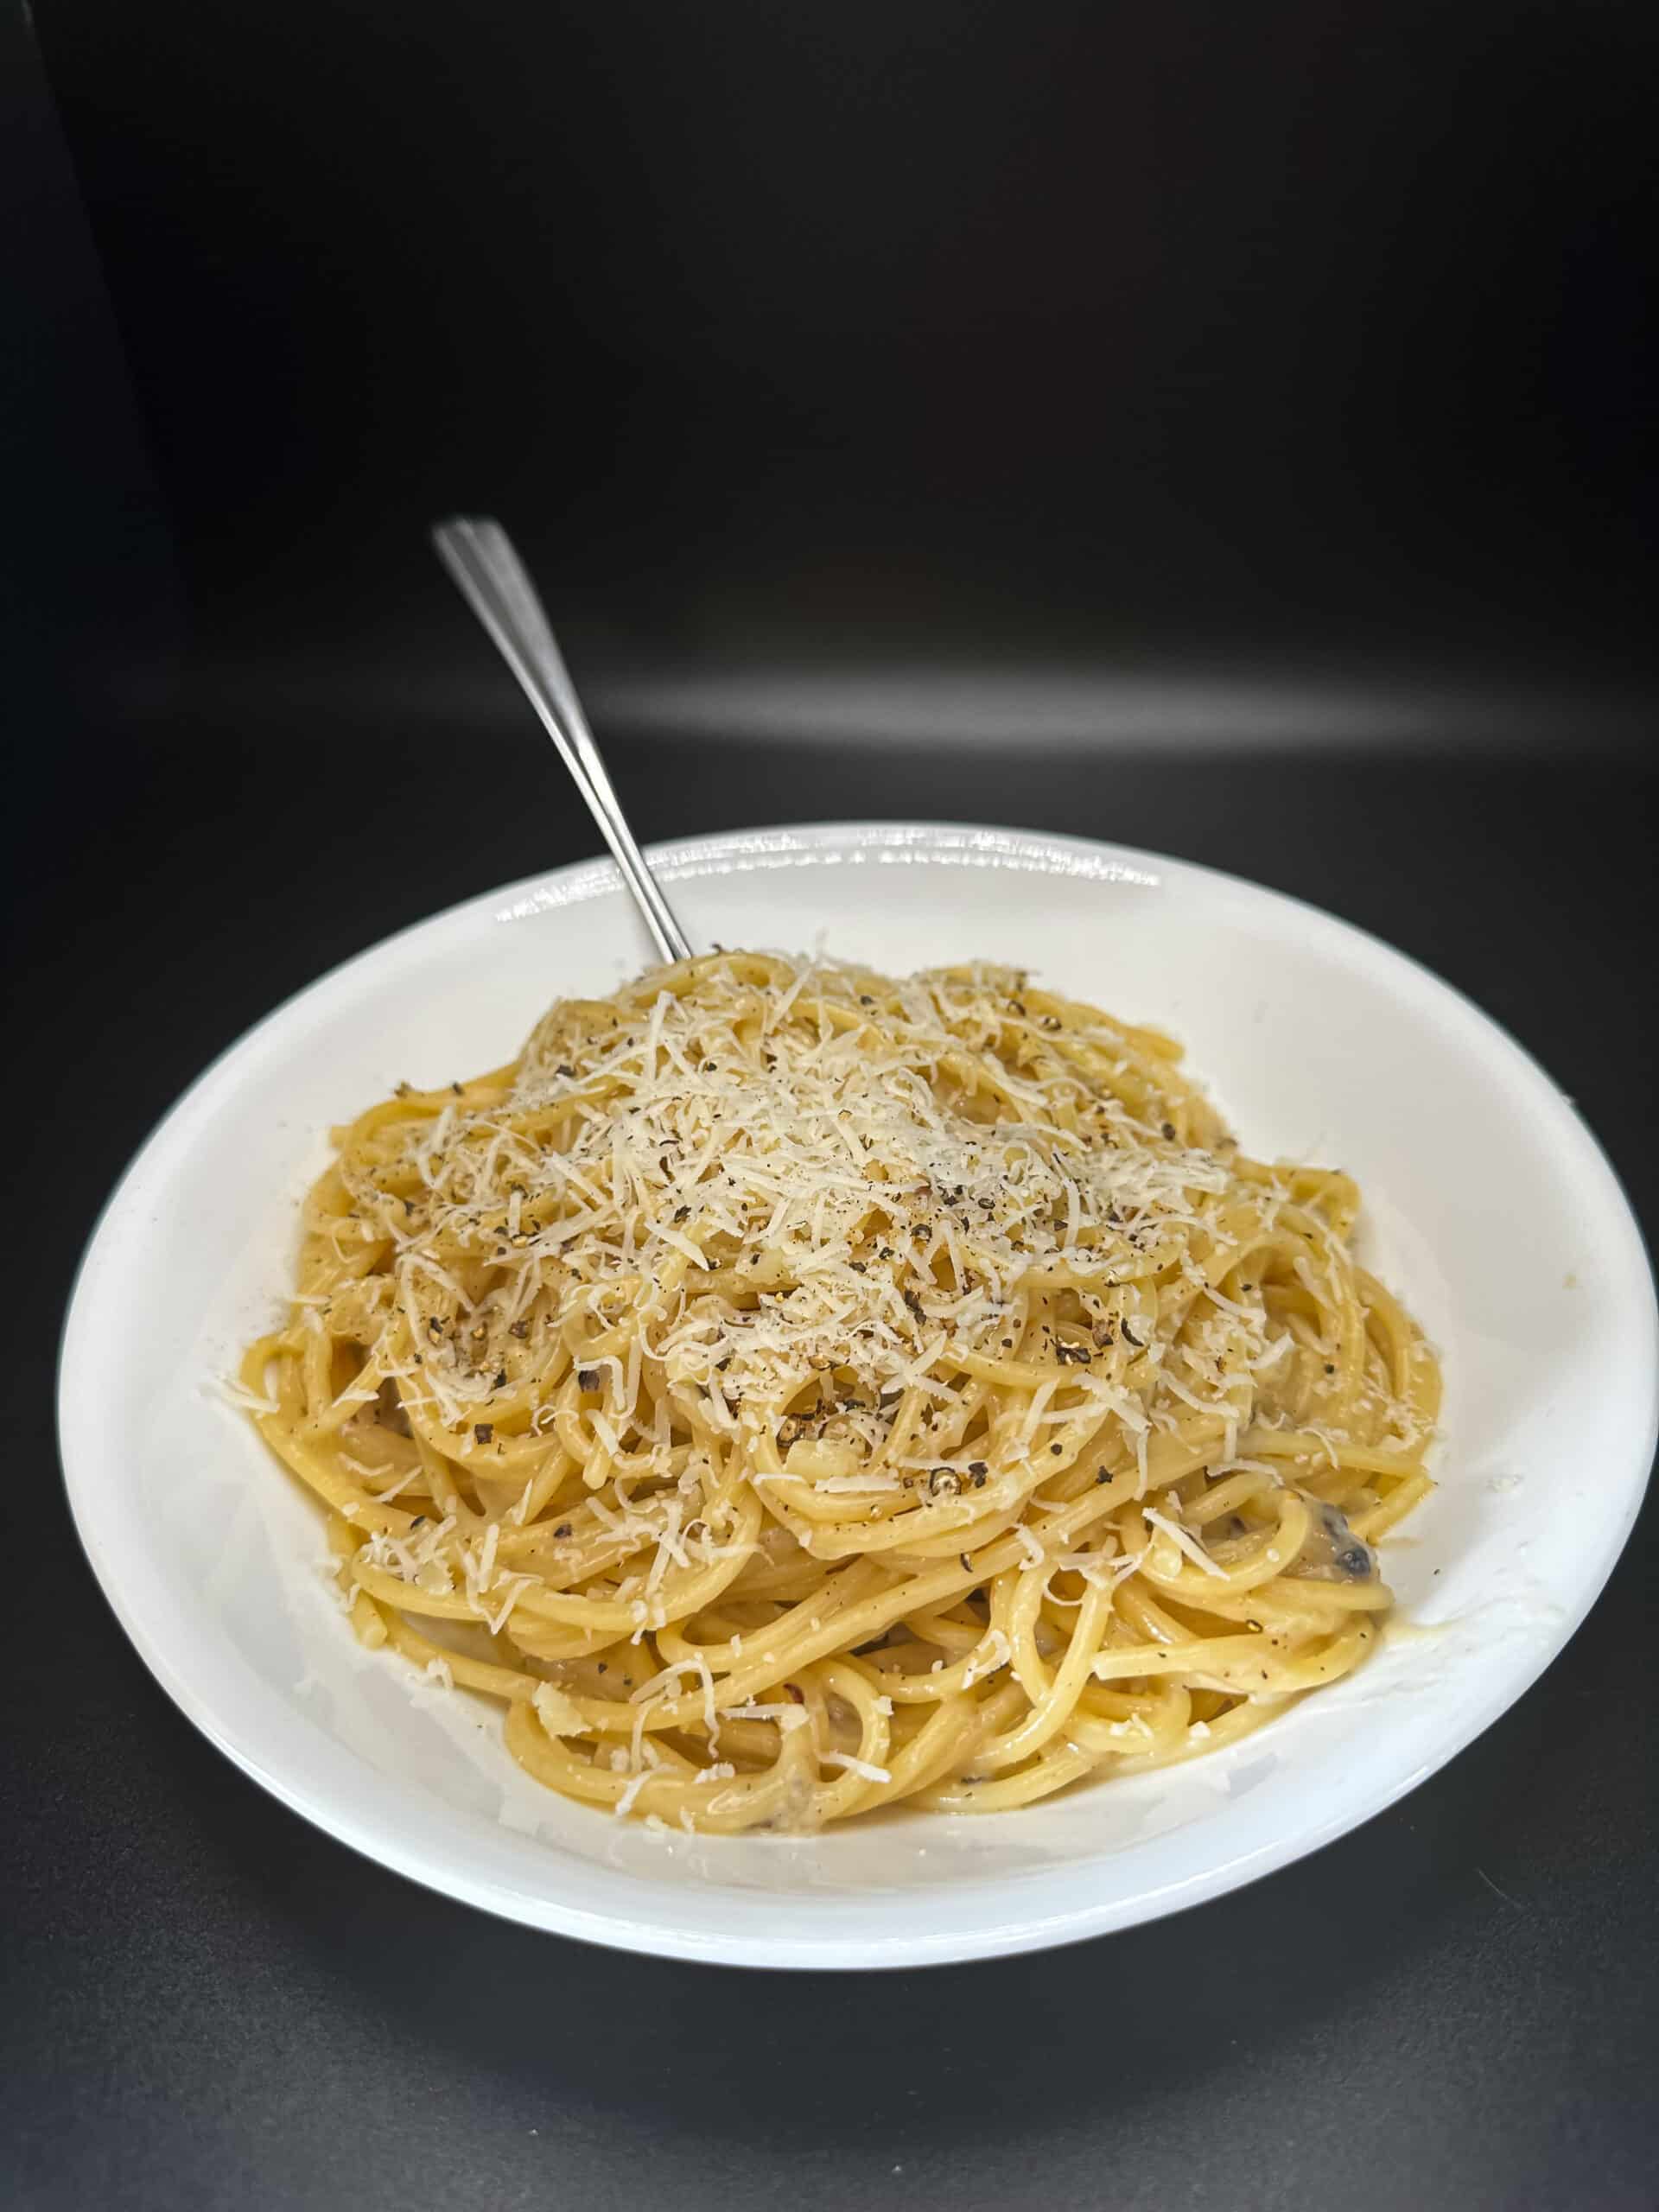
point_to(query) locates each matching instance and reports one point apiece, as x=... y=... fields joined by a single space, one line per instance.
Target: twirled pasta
x=794 y=1392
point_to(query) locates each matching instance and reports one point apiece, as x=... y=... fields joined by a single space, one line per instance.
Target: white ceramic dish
x=1490 y=1206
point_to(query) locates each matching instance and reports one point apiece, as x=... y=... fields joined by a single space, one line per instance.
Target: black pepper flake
x=500 y=1382
x=563 y=1529
x=1130 y=1338
x=564 y=1068
x=586 y=1378
x=967 y=1564
x=456 y=1087
x=603 y=1668
x=484 y=1431
x=434 y=1327
x=682 y=1213
x=1073 y=1354
x=1057 y=1449
x=519 y=1329
x=1101 y=1476
x=1169 y=1131
x=976 y=1466
x=943 y=1481
x=1329 y=1367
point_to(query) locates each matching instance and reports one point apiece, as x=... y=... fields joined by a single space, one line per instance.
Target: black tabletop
x=1211 y=434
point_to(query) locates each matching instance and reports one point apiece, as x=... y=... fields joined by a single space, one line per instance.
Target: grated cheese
x=1185 y=1542
x=558 y=1714
x=864 y=1767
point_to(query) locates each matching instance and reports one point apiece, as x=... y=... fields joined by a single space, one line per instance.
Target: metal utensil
x=496 y=585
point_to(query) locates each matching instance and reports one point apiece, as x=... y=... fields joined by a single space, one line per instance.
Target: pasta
x=793 y=1392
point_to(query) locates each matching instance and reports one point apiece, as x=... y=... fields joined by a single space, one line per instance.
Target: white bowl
x=1490 y=1208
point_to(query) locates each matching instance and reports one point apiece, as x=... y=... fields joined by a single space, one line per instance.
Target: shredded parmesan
x=1185 y=1542
x=858 y=1766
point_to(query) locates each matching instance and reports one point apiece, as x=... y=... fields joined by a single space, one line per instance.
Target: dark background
x=1227 y=429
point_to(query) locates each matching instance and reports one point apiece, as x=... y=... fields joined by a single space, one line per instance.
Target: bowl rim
x=824 y=1941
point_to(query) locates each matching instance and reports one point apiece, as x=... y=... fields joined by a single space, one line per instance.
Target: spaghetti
x=793 y=1392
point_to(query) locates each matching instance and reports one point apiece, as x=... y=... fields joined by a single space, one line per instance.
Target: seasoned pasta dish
x=792 y=1392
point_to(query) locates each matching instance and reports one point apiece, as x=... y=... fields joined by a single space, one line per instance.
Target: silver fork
x=496 y=585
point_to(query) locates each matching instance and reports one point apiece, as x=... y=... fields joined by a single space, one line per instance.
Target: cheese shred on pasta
x=794 y=1392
